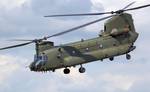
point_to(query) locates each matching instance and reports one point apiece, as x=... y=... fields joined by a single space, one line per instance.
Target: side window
x=87 y=49
x=100 y=46
x=35 y=58
x=40 y=58
x=105 y=28
x=45 y=58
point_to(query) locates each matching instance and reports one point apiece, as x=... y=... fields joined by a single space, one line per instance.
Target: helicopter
x=117 y=38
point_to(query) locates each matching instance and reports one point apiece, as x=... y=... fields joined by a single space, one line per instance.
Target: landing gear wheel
x=81 y=69
x=111 y=59
x=128 y=56
x=66 y=71
x=53 y=70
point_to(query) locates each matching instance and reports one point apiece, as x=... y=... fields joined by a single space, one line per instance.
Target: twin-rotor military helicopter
x=117 y=38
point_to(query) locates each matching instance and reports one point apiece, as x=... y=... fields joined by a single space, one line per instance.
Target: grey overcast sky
x=24 y=19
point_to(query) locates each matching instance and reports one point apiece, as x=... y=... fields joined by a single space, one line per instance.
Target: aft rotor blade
x=144 y=6
x=78 y=27
x=86 y=14
x=129 y=5
x=14 y=46
x=89 y=14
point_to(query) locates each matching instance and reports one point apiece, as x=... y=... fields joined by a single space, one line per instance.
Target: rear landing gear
x=111 y=59
x=53 y=70
x=66 y=71
x=128 y=56
x=82 y=69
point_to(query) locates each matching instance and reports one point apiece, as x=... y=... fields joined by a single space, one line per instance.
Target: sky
x=24 y=19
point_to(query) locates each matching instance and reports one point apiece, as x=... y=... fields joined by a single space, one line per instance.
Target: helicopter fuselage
x=86 y=51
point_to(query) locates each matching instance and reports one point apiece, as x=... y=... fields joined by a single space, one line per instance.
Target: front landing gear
x=111 y=59
x=66 y=71
x=128 y=56
x=82 y=69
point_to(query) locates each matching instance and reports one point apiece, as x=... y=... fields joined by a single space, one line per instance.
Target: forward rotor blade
x=86 y=14
x=129 y=5
x=14 y=46
x=144 y=6
x=20 y=40
x=25 y=40
x=78 y=27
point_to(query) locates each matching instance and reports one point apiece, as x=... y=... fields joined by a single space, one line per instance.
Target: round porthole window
x=100 y=46
x=73 y=52
x=87 y=49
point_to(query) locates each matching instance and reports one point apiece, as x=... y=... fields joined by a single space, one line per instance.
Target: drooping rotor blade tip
x=14 y=46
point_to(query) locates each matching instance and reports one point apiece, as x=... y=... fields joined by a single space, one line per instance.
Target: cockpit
x=41 y=58
x=39 y=61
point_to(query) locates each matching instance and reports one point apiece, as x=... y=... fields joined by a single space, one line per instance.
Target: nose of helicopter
x=37 y=66
x=32 y=67
x=38 y=63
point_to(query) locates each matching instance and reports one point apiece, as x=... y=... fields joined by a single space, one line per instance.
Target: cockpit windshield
x=41 y=58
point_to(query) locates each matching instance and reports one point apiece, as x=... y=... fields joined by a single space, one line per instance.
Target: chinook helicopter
x=117 y=38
